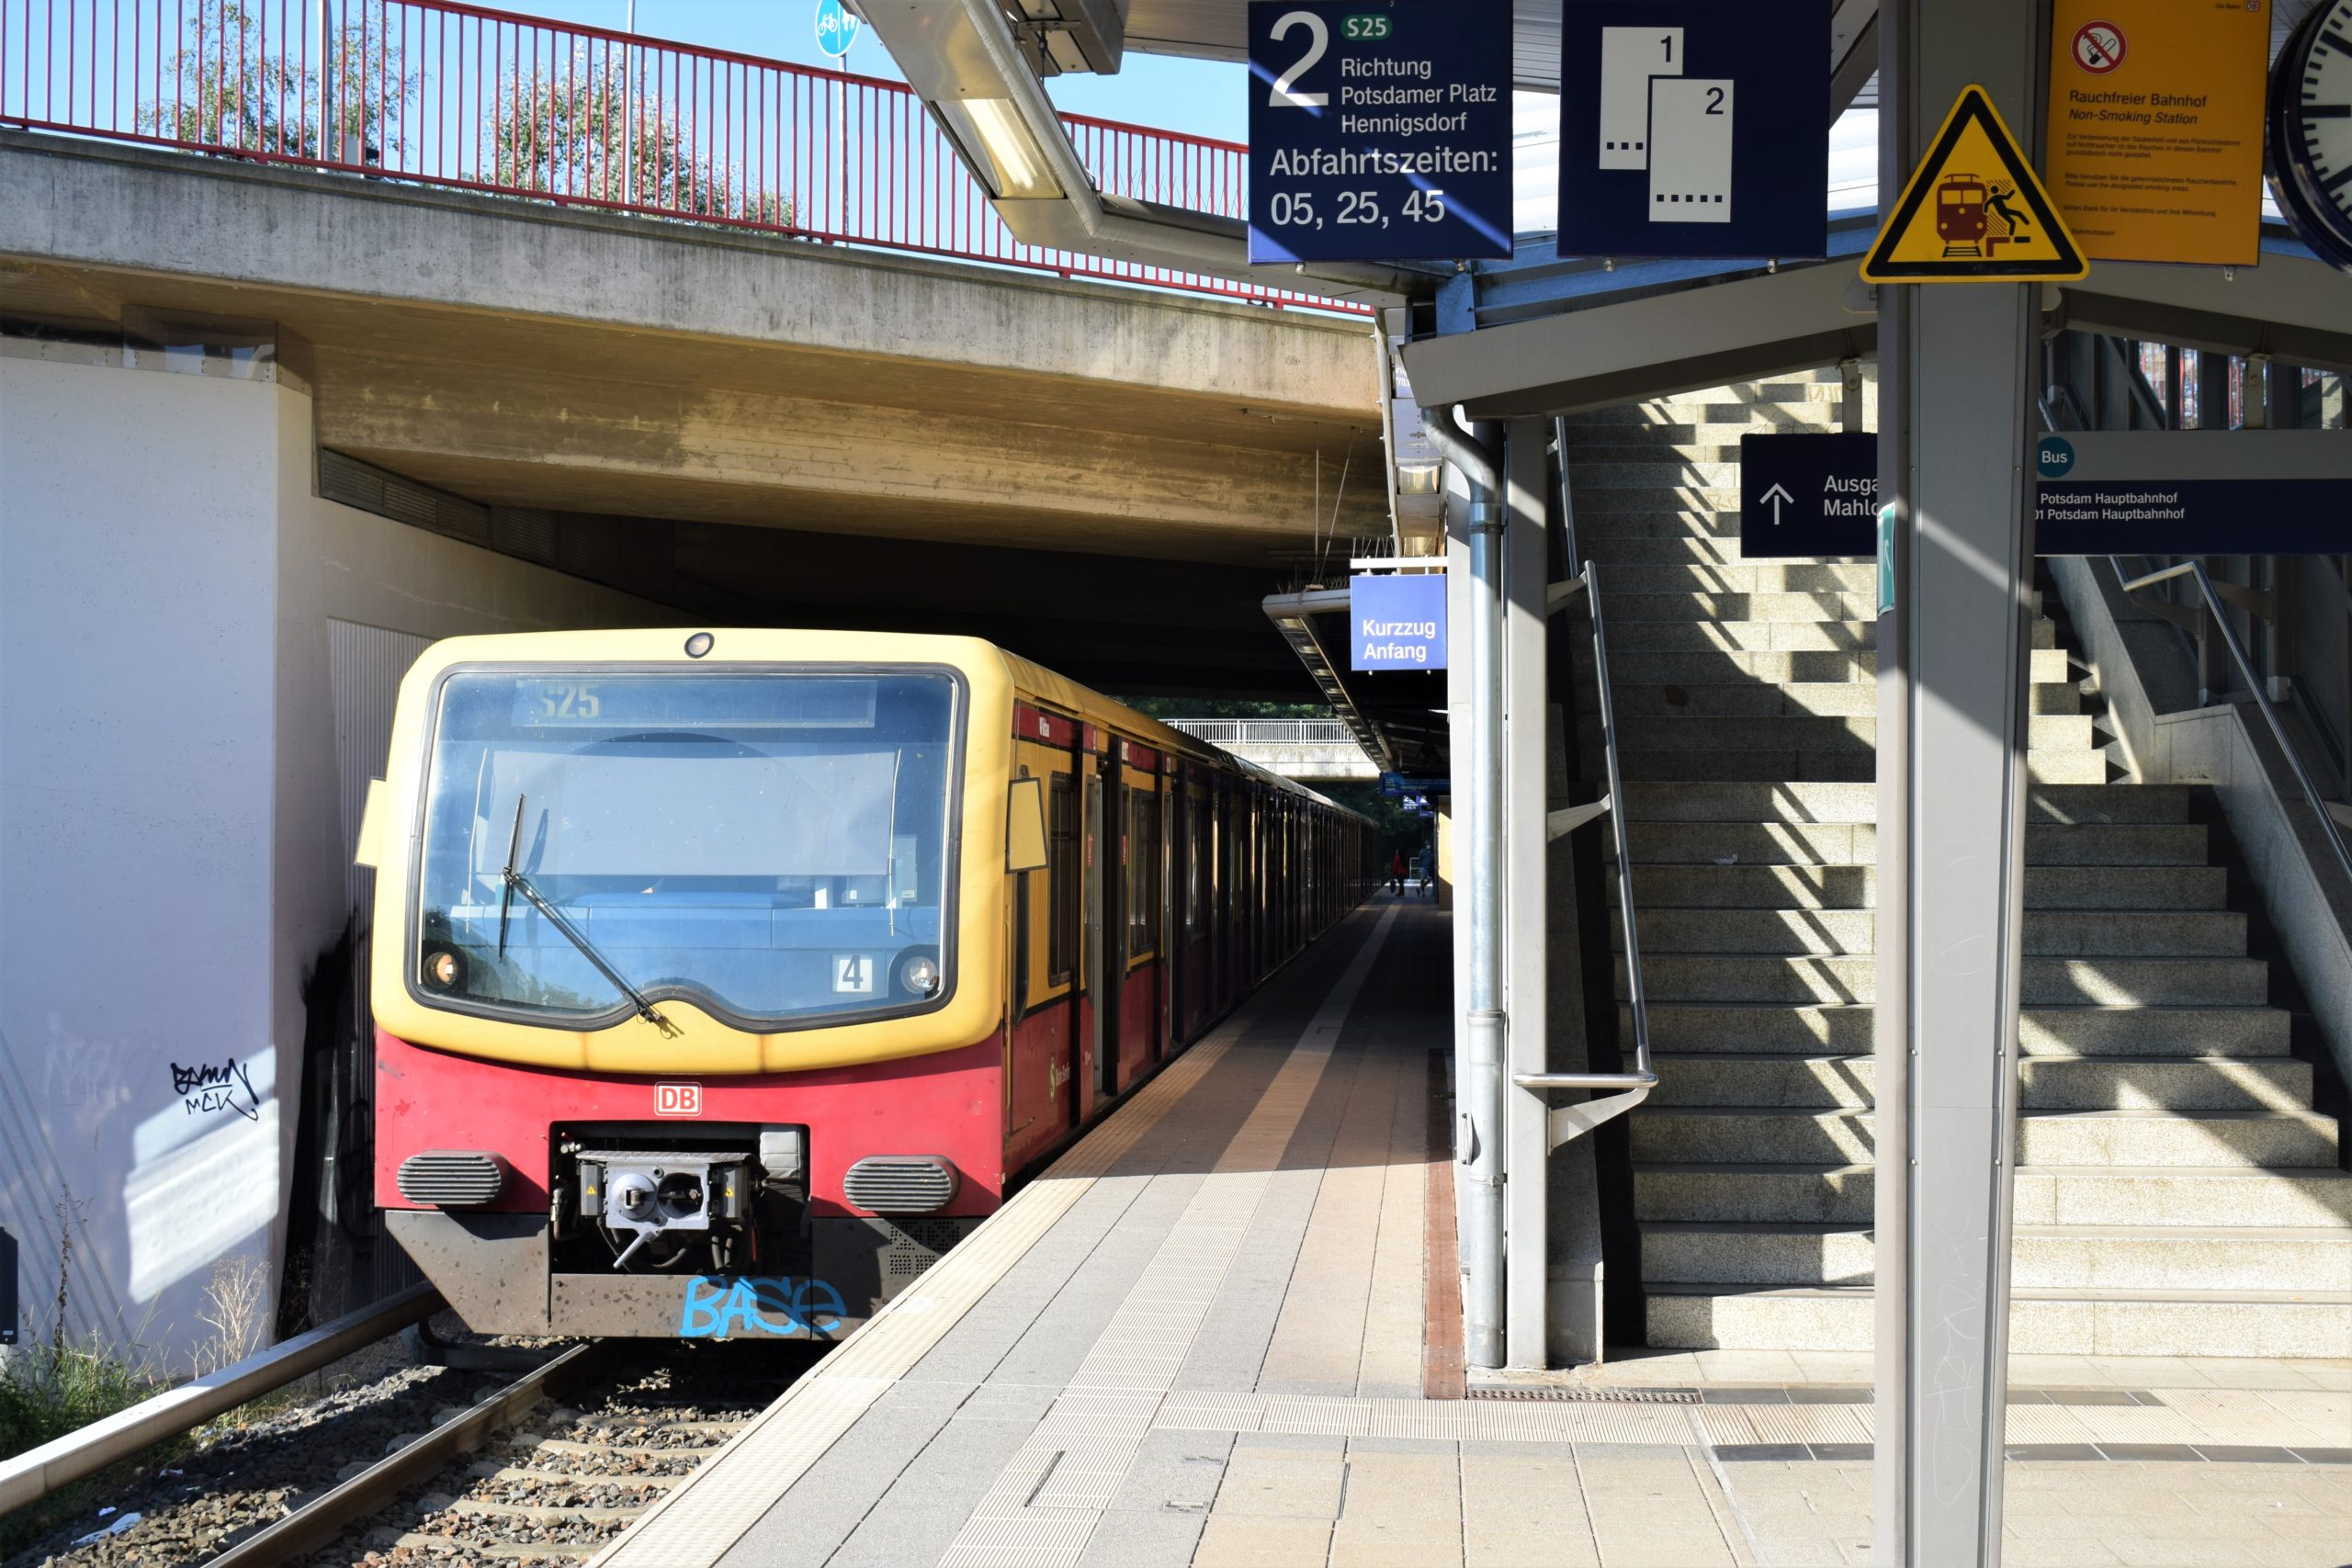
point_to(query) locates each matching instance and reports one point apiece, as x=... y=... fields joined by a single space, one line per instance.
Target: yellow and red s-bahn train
x=723 y=979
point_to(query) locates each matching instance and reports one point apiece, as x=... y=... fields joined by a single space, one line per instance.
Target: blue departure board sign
x=1695 y=127
x=1380 y=131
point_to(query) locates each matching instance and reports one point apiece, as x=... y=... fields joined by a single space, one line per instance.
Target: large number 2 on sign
x=1318 y=40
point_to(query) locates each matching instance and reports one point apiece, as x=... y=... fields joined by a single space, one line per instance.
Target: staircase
x=2176 y=1192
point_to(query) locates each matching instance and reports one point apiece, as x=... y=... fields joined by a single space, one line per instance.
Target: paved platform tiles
x=1199 y=1340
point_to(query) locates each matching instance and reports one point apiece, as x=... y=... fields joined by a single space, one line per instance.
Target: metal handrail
x=1572 y=1120
x=2214 y=608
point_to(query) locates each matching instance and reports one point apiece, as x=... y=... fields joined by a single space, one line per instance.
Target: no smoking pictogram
x=2098 y=47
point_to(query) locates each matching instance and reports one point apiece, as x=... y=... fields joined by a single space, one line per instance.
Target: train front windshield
x=776 y=848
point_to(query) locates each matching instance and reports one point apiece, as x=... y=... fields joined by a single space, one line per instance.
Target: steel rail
x=2214 y=607
x=331 y=1513
x=36 y=1472
x=1572 y=1120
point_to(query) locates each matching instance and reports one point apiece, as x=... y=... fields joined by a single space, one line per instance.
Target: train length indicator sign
x=1378 y=130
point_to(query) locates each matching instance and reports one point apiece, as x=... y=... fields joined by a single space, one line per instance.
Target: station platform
x=1223 y=1331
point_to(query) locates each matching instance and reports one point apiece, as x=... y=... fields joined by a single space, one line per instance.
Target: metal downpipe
x=1478 y=1078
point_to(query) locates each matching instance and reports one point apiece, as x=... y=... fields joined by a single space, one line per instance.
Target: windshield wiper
x=515 y=882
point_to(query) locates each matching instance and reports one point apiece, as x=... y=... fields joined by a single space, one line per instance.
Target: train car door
x=1143 y=969
x=1043 y=1085
x=1106 y=936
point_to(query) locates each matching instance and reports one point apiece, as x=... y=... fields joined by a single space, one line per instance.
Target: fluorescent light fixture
x=1012 y=155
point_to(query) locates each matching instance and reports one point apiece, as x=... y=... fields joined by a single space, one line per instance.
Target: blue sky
x=1200 y=96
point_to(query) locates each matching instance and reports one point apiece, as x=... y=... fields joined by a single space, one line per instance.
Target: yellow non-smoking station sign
x=1974 y=211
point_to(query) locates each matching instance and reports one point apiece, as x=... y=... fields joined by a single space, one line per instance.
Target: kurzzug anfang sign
x=1380 y=131
x=1397 y=622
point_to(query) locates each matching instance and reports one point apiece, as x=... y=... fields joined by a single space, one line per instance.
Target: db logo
x=677 y=1100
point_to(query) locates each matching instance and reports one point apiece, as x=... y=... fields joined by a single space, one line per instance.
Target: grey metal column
x=1526 y=1119
x=1951 y=773
x=1478 y=1074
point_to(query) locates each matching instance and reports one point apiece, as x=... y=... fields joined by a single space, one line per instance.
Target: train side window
x=1061 y=879
x=1143 y=872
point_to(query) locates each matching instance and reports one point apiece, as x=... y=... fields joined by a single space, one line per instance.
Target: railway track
x=546 y=1466
x=553 y=1484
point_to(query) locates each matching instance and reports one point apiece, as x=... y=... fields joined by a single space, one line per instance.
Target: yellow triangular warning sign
x=1974 y=211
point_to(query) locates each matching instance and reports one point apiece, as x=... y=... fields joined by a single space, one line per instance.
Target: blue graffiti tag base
x=771 y=1307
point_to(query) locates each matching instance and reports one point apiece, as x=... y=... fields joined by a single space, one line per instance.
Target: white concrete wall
x=172 y=840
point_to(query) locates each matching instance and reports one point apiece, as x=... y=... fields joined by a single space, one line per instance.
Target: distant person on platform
x=1397 y=871
x=1429 y=870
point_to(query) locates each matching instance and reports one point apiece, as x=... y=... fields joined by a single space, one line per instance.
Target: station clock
x=2311 y=130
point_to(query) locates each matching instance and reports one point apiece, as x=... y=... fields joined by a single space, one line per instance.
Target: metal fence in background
x=452 y=94
x=1266 y=731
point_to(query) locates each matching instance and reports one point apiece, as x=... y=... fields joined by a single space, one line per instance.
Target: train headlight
x=444 y=969
x=920 y=974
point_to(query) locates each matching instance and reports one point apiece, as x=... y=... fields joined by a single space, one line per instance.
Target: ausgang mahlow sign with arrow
x=1379 y=132
x=1807 y=496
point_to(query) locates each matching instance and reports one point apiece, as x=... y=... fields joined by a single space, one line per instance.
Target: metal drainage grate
x=1588 y=1396
x=900 y=1184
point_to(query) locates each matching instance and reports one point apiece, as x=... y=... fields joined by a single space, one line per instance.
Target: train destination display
x=1378 y=131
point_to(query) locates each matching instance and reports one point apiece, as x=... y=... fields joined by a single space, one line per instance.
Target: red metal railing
x=453 y=94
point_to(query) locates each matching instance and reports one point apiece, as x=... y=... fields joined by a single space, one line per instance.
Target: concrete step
x=1697 y=634
x=1772 y=1134
x=2165 y=1083
x=1765 y=801
x=2186 y=1258
x=1743 y=577
x=1830 y=1081
x=2175 y=1139
x=1784 y=1194
x=1646 y=698
x=2179 y=887
x=1802 y=732
x=2042 y=1321
x=1750 y=887
x=2042 y=1257
x=1742 y=843
x=1844 y=1029
x=1691 y=1027
x=1683 y=764
x=1730 y=605
x=2130 y=887
x=1734 y=666
x=2048 y=1195
x=2061 y=982
x=1595 y=500
x=2115 y=844
x=2174 y=1030
x=1830 y=842
x=1691 y=635
x=1640 y=449
x=1757 y=1252
x=1662 y=468
x=1667 y=518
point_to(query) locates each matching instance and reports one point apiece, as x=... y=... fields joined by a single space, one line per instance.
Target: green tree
x=577 y=129
x=235 y=86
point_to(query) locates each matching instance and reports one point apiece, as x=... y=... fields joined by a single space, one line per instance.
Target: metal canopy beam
x=1762 y=324
x=2293 y=306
